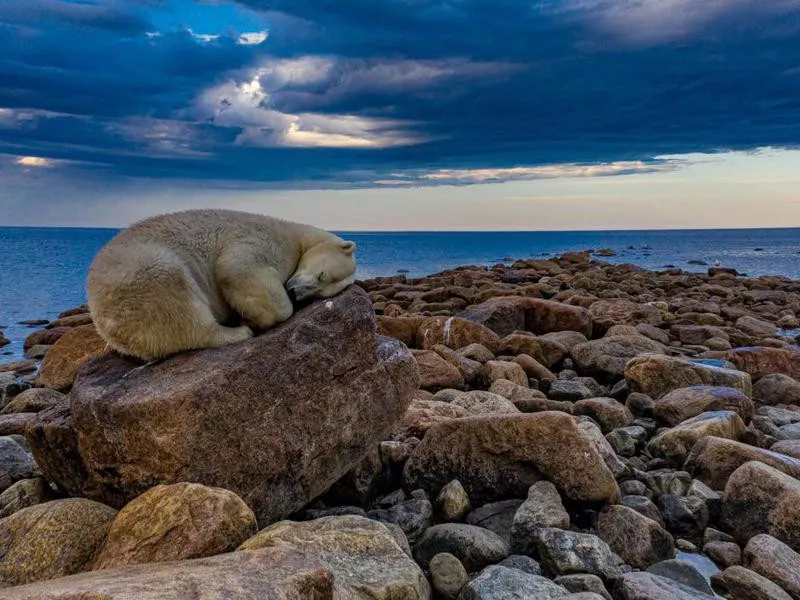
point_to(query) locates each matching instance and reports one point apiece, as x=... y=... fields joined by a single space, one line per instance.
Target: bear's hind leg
x=255 y=292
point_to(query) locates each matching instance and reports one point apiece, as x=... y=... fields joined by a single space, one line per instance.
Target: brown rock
x=16 y=423
x=455 y=333
x=617 y=311
x=657 y=375
x=33 y=400
x=607 y=356
x=757 y=328
x=609 y=413
x=501 y=456
x=523 y=343
x=724 y=554
x=504 y=315
x=777 y=388
x=176 y=522
x=45 y=336
x=759 y=361
x=640 y=541
x=761 y=499
x=684 y=403
x=435 y=372
x=495 y=370
x=276 y=419
x=713 y=460
x=787 y=448
x=478 y=402
x=534 y=368
x=274 y=573
x=51 y=540
x=738 y=583
x=24 y=493
x=68 y=355
x=421 y=415
x=400 y=328
x=78 y=319
x=364 y=558
x=774 y=560
x=675 y=444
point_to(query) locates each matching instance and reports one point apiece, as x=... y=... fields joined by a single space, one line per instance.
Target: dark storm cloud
x=357 y=90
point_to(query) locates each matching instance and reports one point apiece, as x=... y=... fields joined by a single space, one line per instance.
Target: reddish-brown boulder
x=68 y=355
x=501 y=456
x=506 y=314
x=276 y=419
x=455 y=333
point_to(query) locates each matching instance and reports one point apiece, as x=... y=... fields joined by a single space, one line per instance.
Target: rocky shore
x=558 y=428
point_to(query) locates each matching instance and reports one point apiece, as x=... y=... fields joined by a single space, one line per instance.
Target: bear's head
x=323 y=271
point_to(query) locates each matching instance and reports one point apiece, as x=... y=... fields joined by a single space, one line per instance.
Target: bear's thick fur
x=207 y=278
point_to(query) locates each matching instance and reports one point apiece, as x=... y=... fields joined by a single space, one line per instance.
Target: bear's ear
x=348 y=247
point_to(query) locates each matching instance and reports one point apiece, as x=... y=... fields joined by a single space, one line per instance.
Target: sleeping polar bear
x=207 y=278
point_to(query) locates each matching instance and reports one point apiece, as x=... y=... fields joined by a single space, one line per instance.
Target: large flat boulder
x=276 y=419
x=657 y=375
x=506 y=314
x=500 y=456
x=274 y=573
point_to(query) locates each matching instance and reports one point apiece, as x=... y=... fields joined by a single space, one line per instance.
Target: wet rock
x=475 y=547
x=448 y=575
x=657 y=375
x=191 y=417
x=675 y=444
x=501 y=456
x=684 y=403
x=68 y=355
x=274 y=573
x=761 y=499
x=499 y=583
x=774 y=560
x=640 y=541
x=51 y=540
x=738 y=583
x=363 y=556
x=176 y=522
x=542 y=508
x=714 y=459
x=607 y=356
x=567 y=552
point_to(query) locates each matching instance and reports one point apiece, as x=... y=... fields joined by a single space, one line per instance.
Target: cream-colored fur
x=207 y=278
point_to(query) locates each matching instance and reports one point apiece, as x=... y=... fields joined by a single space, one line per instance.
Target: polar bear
x=207 y=278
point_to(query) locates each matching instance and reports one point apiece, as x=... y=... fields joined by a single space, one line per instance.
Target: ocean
x=43 y=270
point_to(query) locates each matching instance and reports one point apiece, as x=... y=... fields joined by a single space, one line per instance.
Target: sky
x=403 y=114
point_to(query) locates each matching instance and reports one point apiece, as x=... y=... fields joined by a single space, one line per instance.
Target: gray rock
x=777 y=388
x=632 y=487
x=627 y=441
x=448 y=575
x=684 y=516
x=501 y=583
x=568 y=552
x=582 y=582
x=496 y=516
x=523 y=563
x=667 y=481
x=569 y=390
x=542 y=508
x=15 y=463
x=475 y=547
x=644 y=506
x=413 y=517
x=649 y=586
x=683 y=572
